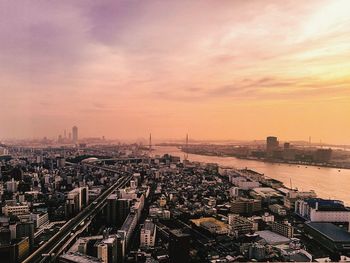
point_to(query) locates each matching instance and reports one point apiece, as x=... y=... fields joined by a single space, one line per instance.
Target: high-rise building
x=26 y=229
x=179 y=246
x=148 y=234
x=76 y=200
x=11 y=186
x=271 y=144
x=75 y=134
x=112 y=210
x=16 y=251
x=117 y=210
x=123 y=210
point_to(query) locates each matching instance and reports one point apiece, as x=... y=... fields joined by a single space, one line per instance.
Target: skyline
x=67 y=138
x=123 y=69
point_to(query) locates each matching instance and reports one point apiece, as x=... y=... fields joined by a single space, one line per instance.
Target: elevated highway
x=48 y=251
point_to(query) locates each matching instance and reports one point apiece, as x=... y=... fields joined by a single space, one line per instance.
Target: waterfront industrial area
x=105 y=202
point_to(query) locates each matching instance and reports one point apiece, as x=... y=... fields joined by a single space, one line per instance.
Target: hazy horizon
x=157 y=140
x=215 y=70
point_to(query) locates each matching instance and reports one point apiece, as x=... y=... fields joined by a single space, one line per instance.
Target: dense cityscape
x=108 y=202
x=174 y=131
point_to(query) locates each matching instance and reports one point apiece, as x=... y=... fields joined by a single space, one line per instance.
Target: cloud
x=72 y=59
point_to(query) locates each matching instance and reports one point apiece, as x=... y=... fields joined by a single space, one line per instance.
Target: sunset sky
x=235 y=69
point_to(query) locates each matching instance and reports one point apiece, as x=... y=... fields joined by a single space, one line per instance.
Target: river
x=327 y=182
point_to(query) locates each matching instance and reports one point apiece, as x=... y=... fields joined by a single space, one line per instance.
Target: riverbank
x=327 y=182
x=272 y=161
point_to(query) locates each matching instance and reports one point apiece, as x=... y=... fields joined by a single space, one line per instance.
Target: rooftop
x=331 y=231
x=272 y=238
x=179 y=233
x=128 y=222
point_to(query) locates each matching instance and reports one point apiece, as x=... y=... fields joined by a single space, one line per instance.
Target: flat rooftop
x=331 y=231
x=272 y=238
x=179 y=233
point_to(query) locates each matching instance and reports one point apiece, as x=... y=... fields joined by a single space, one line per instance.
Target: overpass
x=48 y=251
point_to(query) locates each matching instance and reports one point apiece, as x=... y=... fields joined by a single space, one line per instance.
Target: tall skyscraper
x=117 y=210
x=75 y=134
x=271 y=144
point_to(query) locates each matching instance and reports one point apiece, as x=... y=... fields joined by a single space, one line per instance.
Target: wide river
x=327 y=182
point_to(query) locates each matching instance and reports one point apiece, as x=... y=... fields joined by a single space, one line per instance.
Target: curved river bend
x=327 y=182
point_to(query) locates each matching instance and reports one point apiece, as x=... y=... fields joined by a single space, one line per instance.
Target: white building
x=11 y=186
x=39 y=219
x=321 y=210
x=293 y=195
x=15 y=210
x=148 y=234
x=244 y=183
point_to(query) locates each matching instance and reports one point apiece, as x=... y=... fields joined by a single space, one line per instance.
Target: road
x=48 y=249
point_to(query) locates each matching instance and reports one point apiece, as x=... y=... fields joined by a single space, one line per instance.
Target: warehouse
x=329 y=236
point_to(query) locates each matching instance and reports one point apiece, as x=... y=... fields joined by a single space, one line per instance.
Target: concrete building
x=273 y=238
x=278 y=209
x=257 y=251
x=75 y=134
x=76 y=200
x=11 y=186
x=243 y=183
x=322 y=210
x=285 y=229
x=128 y=227
x=148 y=234
x=331 y=237
x=266 y=194
x=102 y=252
x=271 y=145
x=15 y=210
x=245 y=206
x=39 y=219
x=293 y=195
x=16 y=251
x=239 y=225
x=25 y=229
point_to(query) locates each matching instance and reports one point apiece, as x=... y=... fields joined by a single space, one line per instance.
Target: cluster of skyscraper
x=71 y=138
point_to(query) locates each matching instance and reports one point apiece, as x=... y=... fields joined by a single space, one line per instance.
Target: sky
x=229 y=69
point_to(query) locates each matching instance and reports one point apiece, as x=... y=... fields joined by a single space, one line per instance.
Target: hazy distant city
x=174 y=131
